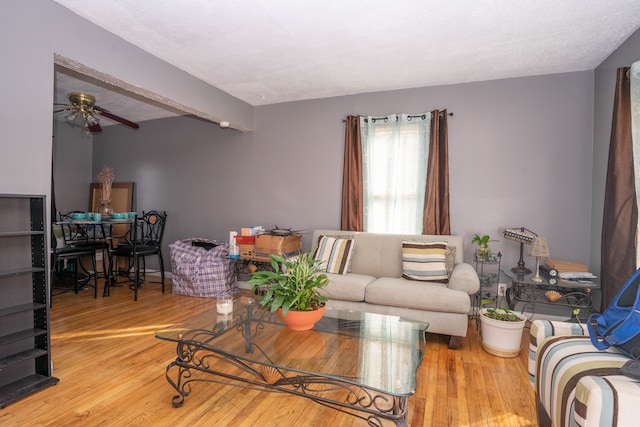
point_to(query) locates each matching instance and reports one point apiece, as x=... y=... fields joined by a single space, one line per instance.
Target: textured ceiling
x=112 y=98
x=271 y=51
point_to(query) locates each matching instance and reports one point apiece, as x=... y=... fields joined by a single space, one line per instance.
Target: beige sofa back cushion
x=380 y=255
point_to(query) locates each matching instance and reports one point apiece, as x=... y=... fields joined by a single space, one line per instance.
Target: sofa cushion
x=424 y=261
x=450 y=259
x=414 y=294
x=334 y=254
x=347 y=287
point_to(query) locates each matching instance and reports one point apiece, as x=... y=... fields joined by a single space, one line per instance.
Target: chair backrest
x=151 y=228
x=72 y=233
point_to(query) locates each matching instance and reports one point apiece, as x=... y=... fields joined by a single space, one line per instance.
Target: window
x=395 y=153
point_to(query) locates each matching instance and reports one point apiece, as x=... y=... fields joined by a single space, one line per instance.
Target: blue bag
x=619 y=325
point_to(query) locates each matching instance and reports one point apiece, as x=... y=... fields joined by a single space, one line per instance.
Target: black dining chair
x=143 y=239
x=62 y=249
x=89 y=235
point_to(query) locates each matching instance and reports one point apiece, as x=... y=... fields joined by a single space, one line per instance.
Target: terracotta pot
x=301 y=320
x=502 y=338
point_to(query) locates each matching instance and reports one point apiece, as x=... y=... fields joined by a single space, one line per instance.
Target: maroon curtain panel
x=620 y=217
x=436 y=199
x=352 y=217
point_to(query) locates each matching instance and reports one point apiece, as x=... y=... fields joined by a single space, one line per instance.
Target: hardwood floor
x=112 y=373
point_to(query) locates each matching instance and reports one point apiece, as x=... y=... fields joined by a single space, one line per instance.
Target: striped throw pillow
x=424 y=261
x=334 y=254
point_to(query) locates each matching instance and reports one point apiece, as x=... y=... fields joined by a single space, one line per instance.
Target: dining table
x=104 y=234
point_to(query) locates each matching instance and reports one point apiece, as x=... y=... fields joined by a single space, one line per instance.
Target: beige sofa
x=375 y=283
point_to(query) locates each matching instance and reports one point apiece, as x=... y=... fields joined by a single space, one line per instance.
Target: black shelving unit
x=488 y=269
x=25 y=359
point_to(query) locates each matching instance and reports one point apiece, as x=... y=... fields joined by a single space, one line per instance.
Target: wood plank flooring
x=112 y=373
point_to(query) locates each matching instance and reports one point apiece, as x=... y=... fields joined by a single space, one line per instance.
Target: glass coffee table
x=363 y=364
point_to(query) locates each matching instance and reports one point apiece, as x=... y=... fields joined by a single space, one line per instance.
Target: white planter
x=501 y=338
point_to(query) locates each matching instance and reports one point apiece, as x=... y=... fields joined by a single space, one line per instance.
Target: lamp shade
x=539 y=248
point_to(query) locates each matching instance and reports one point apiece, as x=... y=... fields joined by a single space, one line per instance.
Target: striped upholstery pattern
x=607 y=401
x=543 y=329
x=424 y=261
x=334 y=254
x=562 y=362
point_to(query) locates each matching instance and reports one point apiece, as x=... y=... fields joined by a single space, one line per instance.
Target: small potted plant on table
x=292 y=290
x=501 y=331
x=483 y=251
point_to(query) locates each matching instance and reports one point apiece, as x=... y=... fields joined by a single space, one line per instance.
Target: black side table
x=575 y=294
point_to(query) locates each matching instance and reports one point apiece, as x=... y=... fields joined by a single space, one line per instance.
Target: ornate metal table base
x=369 y=405
x=197 y=362
x=531 y=294
x=560 y=292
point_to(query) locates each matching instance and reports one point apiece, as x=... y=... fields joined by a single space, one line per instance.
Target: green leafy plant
x=503 y=314
x=293 y=284
x=484 y=250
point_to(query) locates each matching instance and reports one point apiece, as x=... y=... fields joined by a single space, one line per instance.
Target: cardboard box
x=287 y=246
x=251 y=231
x=247 y=251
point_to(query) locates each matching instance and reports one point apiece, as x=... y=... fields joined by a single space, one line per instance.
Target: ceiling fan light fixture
x=82 y=100
x=71 y=116
x=90 y=119
x=84 y=112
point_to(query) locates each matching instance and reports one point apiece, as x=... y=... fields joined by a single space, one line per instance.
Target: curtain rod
x=422 y=116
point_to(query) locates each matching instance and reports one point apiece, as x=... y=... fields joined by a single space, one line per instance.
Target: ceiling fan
x=84 y=111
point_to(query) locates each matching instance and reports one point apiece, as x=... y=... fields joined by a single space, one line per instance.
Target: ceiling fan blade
x=58 y=111
x=94 y=128
x=112 y=116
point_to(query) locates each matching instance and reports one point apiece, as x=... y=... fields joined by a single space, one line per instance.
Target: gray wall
x=72 y=167
x=31 y=32
x=605 y=84
x=518 y=150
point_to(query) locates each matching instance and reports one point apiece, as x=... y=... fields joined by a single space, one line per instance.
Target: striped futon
x=575 y=383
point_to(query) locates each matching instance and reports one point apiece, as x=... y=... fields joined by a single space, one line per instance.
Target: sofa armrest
x=464 y=278
x=543 y=329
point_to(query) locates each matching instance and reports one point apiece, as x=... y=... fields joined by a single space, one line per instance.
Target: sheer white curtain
x=635 y=138
x=395 y=154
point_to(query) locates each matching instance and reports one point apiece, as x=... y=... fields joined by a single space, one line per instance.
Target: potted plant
x=292 y=289
x=484 y=250
x=501 y=331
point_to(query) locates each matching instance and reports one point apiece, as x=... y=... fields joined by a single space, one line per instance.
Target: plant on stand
x=501 y=331
x=292 y=288
x=483 y=250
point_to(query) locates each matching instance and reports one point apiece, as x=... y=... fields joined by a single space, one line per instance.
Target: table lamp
x=523 y=236
x=539 y=249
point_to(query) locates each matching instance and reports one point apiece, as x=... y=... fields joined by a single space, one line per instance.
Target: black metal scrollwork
x=196 y=361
